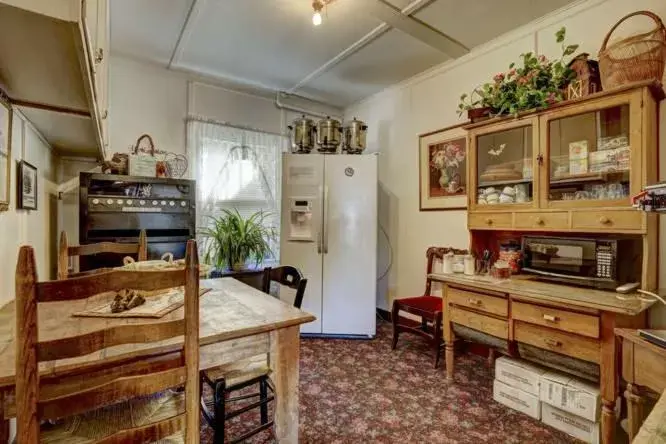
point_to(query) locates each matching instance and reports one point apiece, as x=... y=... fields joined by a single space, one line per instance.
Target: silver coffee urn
x=329 y=133
x=302 y=135
x=355 y=133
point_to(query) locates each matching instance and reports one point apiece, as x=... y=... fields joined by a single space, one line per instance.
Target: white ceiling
x=271 y=45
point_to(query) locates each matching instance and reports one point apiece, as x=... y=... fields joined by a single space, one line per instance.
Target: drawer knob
x=550 y=318
x=540 y=221
x=489 y=221
x=476 y=302
x=604 y=220
x=553 y=343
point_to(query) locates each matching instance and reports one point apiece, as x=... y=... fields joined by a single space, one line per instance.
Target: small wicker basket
x=635 y=58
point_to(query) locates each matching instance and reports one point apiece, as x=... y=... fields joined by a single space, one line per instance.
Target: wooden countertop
x=531 y=288
x=231 y=310
x=653 y=430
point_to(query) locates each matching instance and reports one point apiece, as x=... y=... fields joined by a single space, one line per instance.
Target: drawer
x=575 y=346
x=478 y=301
x=492 y=326
x=542 y=221
x=649 y=369
x=607 y=220
x=489 y=221
x=582 y=324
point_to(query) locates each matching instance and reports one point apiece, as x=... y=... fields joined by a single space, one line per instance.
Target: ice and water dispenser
x=301 y=223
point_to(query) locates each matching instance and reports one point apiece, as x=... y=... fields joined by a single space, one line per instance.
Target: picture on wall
x=5 y=150
x=27 y=186
x=443 y=169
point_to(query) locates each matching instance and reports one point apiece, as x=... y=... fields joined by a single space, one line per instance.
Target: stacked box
x=516 y=385
x=617 y=159
x=570 y=405
x=578 y=158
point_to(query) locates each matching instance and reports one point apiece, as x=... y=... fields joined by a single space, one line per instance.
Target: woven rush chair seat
x=427 y=303
x=90 y=427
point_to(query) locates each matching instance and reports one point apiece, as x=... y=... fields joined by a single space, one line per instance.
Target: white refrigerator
x=329 y=231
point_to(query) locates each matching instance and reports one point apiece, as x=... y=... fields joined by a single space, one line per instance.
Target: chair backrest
x=65 y=251
x=433 y=253
x=288 y=276
x=32 y=400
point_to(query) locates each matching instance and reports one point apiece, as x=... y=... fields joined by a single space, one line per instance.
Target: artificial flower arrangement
x=538 y=83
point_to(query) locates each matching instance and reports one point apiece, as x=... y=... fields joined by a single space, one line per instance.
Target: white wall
x=428 y=102
x=22 y=227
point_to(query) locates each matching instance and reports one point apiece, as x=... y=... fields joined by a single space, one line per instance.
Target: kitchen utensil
x=355 y=132
x=302 y=135
x=329 y=132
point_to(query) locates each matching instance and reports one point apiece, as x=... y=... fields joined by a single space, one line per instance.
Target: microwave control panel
x=605 y=256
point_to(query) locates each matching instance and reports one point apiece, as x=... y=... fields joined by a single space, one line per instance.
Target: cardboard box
x=517 y=399
x=519 y=374
x=571 y=395
x=578 y=150
x=571 y=424
x=618 y=159
x=578 y=166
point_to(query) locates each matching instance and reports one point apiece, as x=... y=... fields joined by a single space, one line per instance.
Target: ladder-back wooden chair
x=113 y=405
x=427 y=307
x=289 y=277
x=65 y=251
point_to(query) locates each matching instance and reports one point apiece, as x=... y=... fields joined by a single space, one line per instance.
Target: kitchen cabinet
x=54 y=69
x=571 y=167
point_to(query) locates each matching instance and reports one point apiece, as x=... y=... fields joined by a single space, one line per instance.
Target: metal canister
x=329 y=133
x=355 y=132
x=302 y=135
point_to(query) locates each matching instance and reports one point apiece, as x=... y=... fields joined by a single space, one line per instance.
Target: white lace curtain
x=235 y=168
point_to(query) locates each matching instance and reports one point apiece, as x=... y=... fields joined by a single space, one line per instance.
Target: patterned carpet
x=359 y=391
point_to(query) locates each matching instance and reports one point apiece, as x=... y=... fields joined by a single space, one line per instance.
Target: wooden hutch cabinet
x=571 y=167
x=569 y=171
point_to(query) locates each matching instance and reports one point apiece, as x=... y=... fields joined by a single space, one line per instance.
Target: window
x=236 y=169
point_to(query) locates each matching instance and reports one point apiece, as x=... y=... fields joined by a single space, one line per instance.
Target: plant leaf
x=561 y=34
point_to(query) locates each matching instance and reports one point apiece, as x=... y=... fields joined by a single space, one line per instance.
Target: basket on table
x=635 y=58
x=166 y=263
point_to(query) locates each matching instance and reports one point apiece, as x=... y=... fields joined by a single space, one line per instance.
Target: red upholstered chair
x=428 y=307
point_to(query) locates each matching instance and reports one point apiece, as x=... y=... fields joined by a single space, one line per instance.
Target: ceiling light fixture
x=318 y=6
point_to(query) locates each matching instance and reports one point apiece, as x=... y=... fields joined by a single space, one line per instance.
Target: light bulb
x=316 y=18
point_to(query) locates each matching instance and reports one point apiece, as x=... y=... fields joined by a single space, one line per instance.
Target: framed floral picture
x=443 y=169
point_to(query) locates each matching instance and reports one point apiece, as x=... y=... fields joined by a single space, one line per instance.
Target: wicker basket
x=635 y=58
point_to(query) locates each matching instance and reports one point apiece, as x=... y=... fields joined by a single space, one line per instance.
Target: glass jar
x=510 y=253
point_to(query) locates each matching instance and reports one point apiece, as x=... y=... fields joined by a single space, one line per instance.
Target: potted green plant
x=231 y=240
x=536 y=83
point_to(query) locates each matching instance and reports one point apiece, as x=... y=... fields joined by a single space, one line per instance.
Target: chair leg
x=219 y=408
x=437 y=337
x=263 y=395
x=394 y=320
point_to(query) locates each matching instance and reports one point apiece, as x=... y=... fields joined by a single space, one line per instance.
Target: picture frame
x=443 y=169
x=6 y=115
x=27 y=186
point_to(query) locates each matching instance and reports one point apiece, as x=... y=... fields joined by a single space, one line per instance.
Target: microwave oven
x=604 y=263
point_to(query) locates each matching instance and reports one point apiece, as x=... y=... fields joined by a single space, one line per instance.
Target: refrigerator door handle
x=318 y=242
x=325 y=240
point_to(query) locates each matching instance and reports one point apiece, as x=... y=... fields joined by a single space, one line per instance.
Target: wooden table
x=565 y=327
x=643 y=366
x=653 y=430
x=236 y=322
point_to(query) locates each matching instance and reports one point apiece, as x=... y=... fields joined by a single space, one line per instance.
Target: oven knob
x=183 y=204
x=109 y=201
x=163 y=203
x=129 y=202
x=172 y=204
x=95 y=201
x=142 y=202
x=155 y=202
x=119 y=201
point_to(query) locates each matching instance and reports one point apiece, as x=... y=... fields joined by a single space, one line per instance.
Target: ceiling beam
x=413 y=27
x=186 y=31
x=412 y=8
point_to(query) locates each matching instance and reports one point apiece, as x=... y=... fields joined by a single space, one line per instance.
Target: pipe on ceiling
x=310 y=112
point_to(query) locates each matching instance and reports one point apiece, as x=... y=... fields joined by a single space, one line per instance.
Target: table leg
x=284 y=355
x=4 y=423
x=609 y=374
x=634 y=410
x=449 y=350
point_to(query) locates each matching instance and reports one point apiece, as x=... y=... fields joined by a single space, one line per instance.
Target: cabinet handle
x=105 y=114
x=540 y=221
x=476 y=302
x=99 y=55
x=550 y=318
x=604 y=220
x=540 y=159
x=489 y=221
x=552 y=343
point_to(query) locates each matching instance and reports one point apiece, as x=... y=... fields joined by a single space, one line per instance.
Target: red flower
x=499 y=77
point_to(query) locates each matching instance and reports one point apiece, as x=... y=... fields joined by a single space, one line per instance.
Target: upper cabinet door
x=503 y=165
x=591 y=154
